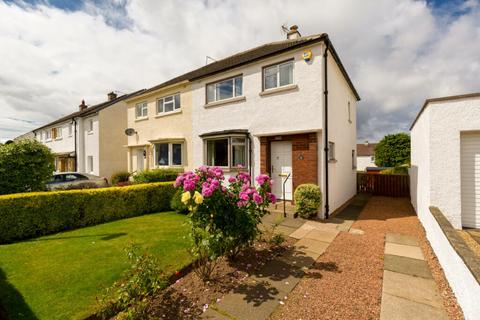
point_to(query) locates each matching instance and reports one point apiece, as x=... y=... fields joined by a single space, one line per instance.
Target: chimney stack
x=293 y=33
x=83 y=106
x=111 y=96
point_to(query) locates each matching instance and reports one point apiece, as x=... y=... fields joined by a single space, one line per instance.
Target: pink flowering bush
x=224 y=216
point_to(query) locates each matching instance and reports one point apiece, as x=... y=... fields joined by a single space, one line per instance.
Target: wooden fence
x=391 y=185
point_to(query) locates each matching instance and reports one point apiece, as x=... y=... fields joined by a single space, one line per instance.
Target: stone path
x=409 y=291
x=265 y=290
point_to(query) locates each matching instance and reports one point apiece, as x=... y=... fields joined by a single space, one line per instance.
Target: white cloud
x=398 y=53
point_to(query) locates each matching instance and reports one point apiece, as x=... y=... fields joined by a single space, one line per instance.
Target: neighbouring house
x=366 y=155
x=160 y=126
x=445 y=187
x=90 y=140
x=26 y=136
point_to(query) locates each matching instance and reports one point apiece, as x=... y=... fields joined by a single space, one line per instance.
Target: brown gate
x=392 y=185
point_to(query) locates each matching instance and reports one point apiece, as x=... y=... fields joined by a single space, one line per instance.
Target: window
x=226 y=152
x=168 y=154
x=90 y=164
x=331 y=151
x=168 y=104
x=70 y=129
x=48 y=135
x=58 y=133
x=278 y=75
x=54 y=133
x=90 y=125
x=349 y=113
x=225 y=89
x=141 y=110
x=354 y=160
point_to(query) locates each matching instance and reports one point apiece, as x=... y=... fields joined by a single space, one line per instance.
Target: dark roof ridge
x=445 y=98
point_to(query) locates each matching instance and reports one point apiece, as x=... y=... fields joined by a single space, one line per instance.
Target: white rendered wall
x=64 y=144
x=365 y=161
x=91 y=144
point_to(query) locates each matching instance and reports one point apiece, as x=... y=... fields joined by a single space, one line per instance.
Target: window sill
x=166 y=114
x=48 y=140
x=226 y=101
x=332 y=161
x=90 y=132
x=141 y=119
x=57 y=139
x=289 y=87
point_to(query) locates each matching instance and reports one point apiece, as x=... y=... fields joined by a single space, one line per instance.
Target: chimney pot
x=293 y=33
x=82 y=106
x=366 y=142
x=111 y=96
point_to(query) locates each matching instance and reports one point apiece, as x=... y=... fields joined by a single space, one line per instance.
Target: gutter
x=325 y=96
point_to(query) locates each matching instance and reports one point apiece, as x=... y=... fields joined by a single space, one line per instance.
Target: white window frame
x=59 y=133
x=170 y=154
x=144 y=110
x=277 y=66
x=70 y=129
x=331 y=151
x=161 y=102
x=90 y=125
x=48 y=135
x=90 y=164
x=230 y=149
x=214 y=84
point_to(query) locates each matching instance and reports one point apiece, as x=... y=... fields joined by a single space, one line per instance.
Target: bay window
x=227 y=152
x=225 y=89
x=168 y=104
x=278 y=75
x=168 y=154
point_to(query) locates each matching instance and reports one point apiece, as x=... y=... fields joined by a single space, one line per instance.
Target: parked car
x=71 y=180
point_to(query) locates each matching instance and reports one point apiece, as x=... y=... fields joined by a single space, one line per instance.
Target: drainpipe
x=325 y=96
x=75 y=143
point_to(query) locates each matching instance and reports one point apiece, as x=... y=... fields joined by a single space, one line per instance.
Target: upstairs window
x=168 y=104
x=225 y=89
x=226 y=152
x=90 y=125
x=141 y=110
x=168 y=154
x=48 y=134
x=278 y=75
x=331 y=151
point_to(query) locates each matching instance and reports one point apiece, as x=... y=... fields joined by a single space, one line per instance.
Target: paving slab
x=211 y=314
x=300 y=259
x=321 y=225
x=279 y=274
x=315 y=246
x=322 y=235
x=396 y=308
x=412 y=288
x=287 y=231
x=402 y=250
x=414 y=267
x=302 y=231
x=401 y=239
x=294 y=223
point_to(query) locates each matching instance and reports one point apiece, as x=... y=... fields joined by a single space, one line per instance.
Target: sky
x=54 y=53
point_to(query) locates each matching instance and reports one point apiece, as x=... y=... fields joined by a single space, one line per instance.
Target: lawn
x=59 y=276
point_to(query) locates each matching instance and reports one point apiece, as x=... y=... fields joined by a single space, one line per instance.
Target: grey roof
x=255 y=54
x=90 y=110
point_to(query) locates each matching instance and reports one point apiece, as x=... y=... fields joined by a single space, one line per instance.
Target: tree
x=24 y=166
x=393 y=150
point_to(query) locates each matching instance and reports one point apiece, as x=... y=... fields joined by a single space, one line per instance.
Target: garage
x=470 y=178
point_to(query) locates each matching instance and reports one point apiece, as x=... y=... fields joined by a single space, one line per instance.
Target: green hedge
x=156 y=175
x=27 y=215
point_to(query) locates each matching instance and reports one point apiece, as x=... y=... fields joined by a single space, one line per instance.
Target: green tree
x=24 y=166
x=393 y=150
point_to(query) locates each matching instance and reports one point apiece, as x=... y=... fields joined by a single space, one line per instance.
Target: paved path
x=265 y=290
x=409 y=291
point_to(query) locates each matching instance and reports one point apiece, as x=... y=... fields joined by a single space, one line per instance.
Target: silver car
x=72 y=180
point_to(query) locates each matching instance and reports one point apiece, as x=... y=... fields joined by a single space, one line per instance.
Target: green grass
x=59 y=276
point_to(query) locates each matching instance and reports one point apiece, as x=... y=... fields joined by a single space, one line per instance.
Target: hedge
x=27 y=215
x=156 y=175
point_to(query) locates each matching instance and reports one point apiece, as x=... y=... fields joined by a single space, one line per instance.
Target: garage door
x=470 y=183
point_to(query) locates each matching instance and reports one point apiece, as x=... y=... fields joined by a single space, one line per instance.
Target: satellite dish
x=130 y=131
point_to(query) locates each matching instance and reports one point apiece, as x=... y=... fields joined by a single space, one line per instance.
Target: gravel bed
x=346 y=281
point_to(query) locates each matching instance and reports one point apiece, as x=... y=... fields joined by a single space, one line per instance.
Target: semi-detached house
x=90 y=140
x=286 y=108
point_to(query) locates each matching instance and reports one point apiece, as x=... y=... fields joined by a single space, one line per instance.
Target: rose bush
x=224 y=216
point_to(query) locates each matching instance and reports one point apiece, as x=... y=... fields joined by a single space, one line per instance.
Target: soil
x=351 y=287
x=189 y=296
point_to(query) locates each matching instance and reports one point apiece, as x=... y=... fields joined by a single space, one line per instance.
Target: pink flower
x=232 y=179
x=189 y=185
x=271 y=197
x=261 y=179
x=241 y=203
x=244 y=196
x=257 y=198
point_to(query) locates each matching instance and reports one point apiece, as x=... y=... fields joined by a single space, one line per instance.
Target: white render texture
x=436 y=154
x=297 y=110
x=435 y=181
x=64 y=144
x=365 y=161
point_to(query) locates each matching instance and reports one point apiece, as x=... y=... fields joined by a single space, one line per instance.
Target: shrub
x=25 y=166
x=176 y=203
x=224 y=218
x=156 y=175
x=27 y=215
x=393 y=150
x=308 y=199
x=397 y=170
x=126 y=297
x=120 y=177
